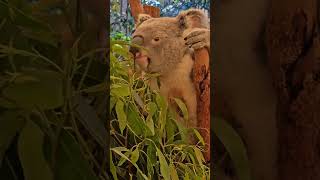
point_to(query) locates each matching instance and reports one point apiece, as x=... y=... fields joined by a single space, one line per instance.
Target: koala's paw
x=198 y=38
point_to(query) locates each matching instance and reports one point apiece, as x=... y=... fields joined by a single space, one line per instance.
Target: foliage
x=147 y=142
x=234 y=147
x=52 y=101
x=119 y=36
x=120 y=22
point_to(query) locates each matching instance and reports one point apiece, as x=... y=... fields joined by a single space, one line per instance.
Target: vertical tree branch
x=136 y=8
x=201 y=74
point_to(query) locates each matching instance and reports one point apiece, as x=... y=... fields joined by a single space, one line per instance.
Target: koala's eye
x=156 y=39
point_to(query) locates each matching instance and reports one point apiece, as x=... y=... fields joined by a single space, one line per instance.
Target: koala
x=243 y=79
x=168 y=49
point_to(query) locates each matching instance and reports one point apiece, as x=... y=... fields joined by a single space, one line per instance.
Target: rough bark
x=152 y=11
x=136 y=8
x=201 y=74
x=293 y=44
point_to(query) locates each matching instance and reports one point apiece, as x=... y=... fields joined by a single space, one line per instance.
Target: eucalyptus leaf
x=71 y=163
x=44 y=90
x=122 y=118
x=173 y=172
x=135 y=155
x=11 y=123
x=89 y=118
x=113 y=168
x=183 y=108
x=136 y=123
x=164 y=167
x=150 y=124
x=200 y=138
x=134 y=164
x=121 y=90
x=30 y=149
x=234 y=146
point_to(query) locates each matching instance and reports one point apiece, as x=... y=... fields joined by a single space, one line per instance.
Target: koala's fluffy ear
x=193 y=18
x=141 y=18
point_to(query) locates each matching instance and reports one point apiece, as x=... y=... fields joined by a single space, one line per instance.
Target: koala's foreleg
x=198 y=38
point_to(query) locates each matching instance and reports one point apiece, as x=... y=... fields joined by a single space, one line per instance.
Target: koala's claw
x=198 y=45
x=198 y=38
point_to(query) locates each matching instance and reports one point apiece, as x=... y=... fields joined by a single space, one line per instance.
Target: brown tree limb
x=201 y=74
x=152 y=11
x=136 y=8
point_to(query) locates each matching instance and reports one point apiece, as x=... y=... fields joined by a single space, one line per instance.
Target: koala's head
x=162 y=41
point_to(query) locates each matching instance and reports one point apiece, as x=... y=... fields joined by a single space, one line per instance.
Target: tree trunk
x=152 y=11
x=201 y=74
x=292 y=43
x=136 y=8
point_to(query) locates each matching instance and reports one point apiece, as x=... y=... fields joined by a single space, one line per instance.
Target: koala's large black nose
x=136 y=40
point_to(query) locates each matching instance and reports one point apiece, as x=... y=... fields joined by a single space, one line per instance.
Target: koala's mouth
x=142 y=60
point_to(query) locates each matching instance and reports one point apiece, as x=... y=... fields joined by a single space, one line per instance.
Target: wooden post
x=152 y=11
x=136 y=8
x=201 y=74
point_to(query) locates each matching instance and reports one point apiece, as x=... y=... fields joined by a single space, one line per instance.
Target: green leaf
x=41 y=36
x=120 y=50
x=121 y=149
x=11 y=123
x=113 y=102
x=120 y=90
x=189 y=174
x=102 y=87
x=191 y=154
x=123 y=160
x=134 y=164
x=71 y=163
x=122 y=118
x=152 y=155
x=170 y=130
x=135 y=155
x=161 y=102
x=151 y=160
x=150 y=124
x=200 y=138
x=199 y=155
x=235 y=147
x=151 y=108
x=31 y=153
x=173 y=172
x=183 y=131
x=135 y=122
x=113 y=168
x=186 y=177
x=164 y=167
x=36 y=88
x=7 y=103
x=20 y=18
x=183 y=108
x=90 y=120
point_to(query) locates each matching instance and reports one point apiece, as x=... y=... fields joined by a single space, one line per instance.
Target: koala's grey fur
x=169 y=44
